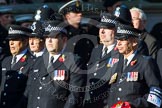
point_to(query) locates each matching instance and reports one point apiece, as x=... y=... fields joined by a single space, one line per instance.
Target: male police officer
x=36 y=39
x=103 y=60
x=136 y=84
x=56 y=77
x=77 y=43
x=15 y=68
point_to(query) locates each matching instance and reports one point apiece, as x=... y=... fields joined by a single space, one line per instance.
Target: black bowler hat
x=24 y=18
x=125 y=31
x=38 y=29
x=53 y=28
x=107 y=21
x=72 y=6
x=109 y=3
x=45 y=13
x=123 y=15
x=16 y=31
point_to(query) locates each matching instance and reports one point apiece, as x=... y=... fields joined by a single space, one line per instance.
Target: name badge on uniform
x=155 y=96
x=132 y=76
x=59 y=75
x=113 y=78
x=111 y=62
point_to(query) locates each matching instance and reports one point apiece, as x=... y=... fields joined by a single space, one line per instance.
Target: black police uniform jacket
x=134 y=83
x=44 y=90
x=80 y=43
x=99 y=74
x=14 y=80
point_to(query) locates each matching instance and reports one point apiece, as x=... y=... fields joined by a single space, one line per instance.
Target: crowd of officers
x=51 y=63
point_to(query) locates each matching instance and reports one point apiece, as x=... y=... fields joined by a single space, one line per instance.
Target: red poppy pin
x=62 y=58
x=23 y=58
x=133 y=62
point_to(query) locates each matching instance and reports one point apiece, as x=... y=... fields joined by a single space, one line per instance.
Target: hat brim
x=124 y=36
x=16 y=36
x=55 y=34
x=106 y=25
x=65 y=8
x=36 y=35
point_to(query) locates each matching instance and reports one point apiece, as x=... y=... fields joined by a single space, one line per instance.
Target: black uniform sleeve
x=150 y=76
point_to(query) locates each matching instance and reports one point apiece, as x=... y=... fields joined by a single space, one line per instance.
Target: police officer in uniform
x=36 y=39
x=55 y=80
x=77 y=43
x=15 y=68
x=103 y=60
x=136 y=84
x=123 y=15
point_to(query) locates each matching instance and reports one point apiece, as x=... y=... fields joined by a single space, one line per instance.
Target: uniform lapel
x=132 y=64
x=21 y=63
x=9 y=63
x=46 y=59
x=55 y=65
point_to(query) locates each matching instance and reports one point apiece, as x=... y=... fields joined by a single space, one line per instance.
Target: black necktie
x=13 y=61
x=125 y=64
x=104 y=51
x=51 y=61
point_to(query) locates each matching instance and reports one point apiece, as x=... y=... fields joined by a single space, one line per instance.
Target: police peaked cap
x=45 y=13
x=107 y=21
x=6 y=11
x=16 y=31
x=53 y=28
x=37 y=29
x=72 y=6
x=24 y=18
x=123 y=15
x=125 y=31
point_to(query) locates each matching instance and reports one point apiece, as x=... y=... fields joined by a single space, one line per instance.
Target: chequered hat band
x=11 y=31
x=127 y=32
x=50 y=28
x=108 y=21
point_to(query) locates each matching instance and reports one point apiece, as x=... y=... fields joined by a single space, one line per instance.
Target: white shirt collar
x=55 y=57
x=109 y=48
x=38 y=54
x=130 y=57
